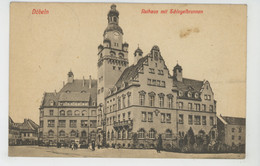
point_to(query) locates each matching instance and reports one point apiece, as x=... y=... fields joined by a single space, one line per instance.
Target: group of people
x=74 y=146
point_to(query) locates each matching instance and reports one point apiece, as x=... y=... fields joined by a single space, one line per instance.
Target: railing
x=123 y=124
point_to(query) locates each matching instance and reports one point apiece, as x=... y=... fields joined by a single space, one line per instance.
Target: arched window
x=62 y=113
x=168 y=133
x=69 y=113
x=108 y=135
x=84 y=113
x=151 y=99
x=83 y=134
x=118 y=134
x=140 y=133
x=152 y=133
x=76 y=113
x=112 y=135
x=123 y=134
x=51 y=133
x=62 y=133
x=73 y=133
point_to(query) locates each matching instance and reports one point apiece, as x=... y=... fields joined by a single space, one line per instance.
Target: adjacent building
x=231 y=130
x=70 y=114
x=25 y=133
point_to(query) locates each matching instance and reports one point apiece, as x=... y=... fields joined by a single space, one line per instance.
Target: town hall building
x=133 y=103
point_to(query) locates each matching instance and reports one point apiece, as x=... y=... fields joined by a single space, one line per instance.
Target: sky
x=43 y=48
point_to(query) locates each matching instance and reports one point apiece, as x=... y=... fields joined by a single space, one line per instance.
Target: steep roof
x=75 y=91
x=189 y=85
x=234 y=120
x=130 y=72
x=27 y=125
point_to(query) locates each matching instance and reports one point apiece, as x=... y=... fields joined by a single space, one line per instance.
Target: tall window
x=129 y=115
x=128 y=99
x=108 y=135
x=161 y=101
x=152 y=133
x=83 y=134
x=51 y=112
x=143 y=116
x=62 y=113
x=142 y=97
x=62 y=123
x=168 y=118
x=123 y=134
x=41 y=123
x=119 y=134
x=151 y=101
x=73 y=123
x=150 y=117
x=204 y=122
x=168 y=133
x=140 y=133
x=123 y=116
x=197 y=120
x=118 y=118
x=123 y=101
x=162 y=117
x=211 y=121
x=190 y=120
x=203 y=107
x=211 y=108
x=197 y=107
x=170 y=101
x=181 y=121
x=189 y=106
x=180 y=105
x=119 y=103
x=112 y=135
x=51 y=123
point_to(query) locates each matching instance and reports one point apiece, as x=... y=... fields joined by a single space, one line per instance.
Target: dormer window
x=83 y=91
x=180 y=93
x=67 y=91
x=196 y=95
x=189 y=94
x=51 y=102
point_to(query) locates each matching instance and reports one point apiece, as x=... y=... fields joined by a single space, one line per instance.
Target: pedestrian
x=93 y=145
x=72 y=146
x=159 y=144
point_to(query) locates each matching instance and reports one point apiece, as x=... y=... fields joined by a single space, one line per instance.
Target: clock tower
x=112 y=59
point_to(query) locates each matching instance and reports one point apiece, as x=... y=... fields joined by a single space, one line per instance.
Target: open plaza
x=38 y=151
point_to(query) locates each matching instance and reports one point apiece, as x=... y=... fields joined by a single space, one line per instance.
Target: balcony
x=127 y=124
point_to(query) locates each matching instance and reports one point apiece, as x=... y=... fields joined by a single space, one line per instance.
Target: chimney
x=90 y=81
x=63 y=83
x=55 y=92
x=70 y=77
x=177 y=72
x=83 y=82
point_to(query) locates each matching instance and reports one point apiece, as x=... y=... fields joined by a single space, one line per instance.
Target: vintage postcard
x=127 y=80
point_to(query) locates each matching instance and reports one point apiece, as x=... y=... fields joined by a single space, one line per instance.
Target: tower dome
x=113 y=11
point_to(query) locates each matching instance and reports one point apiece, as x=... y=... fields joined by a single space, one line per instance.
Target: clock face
x=116 y=35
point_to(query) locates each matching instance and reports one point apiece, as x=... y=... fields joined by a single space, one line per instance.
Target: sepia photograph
x=127 y=80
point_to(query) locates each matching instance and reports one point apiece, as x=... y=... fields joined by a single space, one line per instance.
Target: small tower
x=177 y=73
x=70 y=77
x=137 y=55
x=125 y=46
